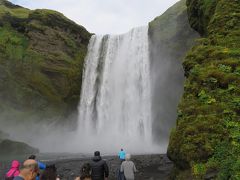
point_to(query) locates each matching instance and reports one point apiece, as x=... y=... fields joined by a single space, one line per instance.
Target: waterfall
x=115 y=105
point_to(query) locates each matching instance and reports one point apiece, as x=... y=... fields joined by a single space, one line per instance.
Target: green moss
x=45 y=14
x=171 y=30
x=206 y=138
x=18 y=12
x=200 y=13
x=199 y=170
x=41 y=63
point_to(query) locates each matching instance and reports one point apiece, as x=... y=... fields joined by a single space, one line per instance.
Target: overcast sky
x=104 y=16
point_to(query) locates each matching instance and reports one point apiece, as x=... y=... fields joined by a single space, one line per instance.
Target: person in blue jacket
x=41 y=165
x=122 y=155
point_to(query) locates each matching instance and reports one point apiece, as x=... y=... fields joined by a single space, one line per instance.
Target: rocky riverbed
x=150 y=167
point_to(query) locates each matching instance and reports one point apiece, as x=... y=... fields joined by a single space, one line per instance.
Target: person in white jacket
x=128 y=168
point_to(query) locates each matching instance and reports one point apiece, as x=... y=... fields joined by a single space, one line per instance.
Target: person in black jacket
x=99 y=167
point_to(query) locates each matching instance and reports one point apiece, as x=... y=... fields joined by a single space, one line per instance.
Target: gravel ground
x=150 y=167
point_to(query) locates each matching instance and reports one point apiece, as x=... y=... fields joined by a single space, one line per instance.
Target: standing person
x=99 y=167
x=14 y=170
x=41 y=165
x=122 y=155
x=29 y=170
x=128 y=168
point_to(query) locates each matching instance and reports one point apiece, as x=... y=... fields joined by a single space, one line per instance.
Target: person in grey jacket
x=128 y=168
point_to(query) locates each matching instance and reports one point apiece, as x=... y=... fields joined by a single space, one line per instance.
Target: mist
x=167 y=88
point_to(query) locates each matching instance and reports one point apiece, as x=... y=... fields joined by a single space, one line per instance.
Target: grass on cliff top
x=18 y=12
x=161 y=21
x=44 y=13
x=21 y=12
x=7 y=8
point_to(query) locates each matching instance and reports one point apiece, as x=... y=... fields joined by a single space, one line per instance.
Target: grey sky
x=104 y=16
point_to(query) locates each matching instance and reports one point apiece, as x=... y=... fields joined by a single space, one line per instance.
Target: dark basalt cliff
x=170 y=38
x=205 y=144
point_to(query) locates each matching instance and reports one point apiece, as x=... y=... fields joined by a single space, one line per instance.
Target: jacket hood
x=96 y=158
x=15 y=164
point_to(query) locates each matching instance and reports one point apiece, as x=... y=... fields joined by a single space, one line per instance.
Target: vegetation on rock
x=206 y=141
x=16 y=148
x=171 y=32
x=41 y=63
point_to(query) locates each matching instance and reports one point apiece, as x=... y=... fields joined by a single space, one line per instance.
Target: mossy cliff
x=170 y=38
x=41 y=63
x=171 y=32
x=9 y=147
x=206 y=142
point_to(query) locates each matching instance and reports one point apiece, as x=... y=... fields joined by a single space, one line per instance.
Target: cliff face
x=41 y=63
x=170 y=38
x=205 y=143
x=171 y=33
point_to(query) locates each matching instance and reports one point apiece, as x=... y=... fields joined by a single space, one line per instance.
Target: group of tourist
x=97 y=169
x=30 y=170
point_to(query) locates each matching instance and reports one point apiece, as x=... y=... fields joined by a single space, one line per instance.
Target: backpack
x=11 y=177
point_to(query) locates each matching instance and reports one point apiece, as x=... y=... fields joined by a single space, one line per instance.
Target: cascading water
x=115 y=106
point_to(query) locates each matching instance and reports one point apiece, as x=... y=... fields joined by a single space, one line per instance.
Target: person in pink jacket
x=14 y=170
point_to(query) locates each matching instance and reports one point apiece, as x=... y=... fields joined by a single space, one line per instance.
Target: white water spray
x=115 y=106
